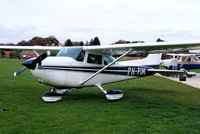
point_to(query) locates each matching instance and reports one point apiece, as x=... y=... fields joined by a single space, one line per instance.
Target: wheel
x=51 y=97
x=114 y=95
x=182 y=78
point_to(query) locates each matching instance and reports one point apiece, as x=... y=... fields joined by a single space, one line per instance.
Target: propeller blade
x=31 y=64
x=19 y=71
x=42 y=57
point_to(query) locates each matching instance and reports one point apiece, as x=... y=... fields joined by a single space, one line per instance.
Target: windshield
x=73 y=52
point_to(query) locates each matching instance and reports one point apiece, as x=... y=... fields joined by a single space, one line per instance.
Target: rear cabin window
x=94 y=59
x=196 y=59
x=188 y=60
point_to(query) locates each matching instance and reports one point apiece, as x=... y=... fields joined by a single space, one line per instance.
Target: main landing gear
x=55 y=94
x=111 y=95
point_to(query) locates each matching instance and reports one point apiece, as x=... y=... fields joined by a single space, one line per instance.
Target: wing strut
x=93 y=75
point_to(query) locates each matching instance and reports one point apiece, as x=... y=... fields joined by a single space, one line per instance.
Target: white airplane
x=185 y=61
x=77 y=67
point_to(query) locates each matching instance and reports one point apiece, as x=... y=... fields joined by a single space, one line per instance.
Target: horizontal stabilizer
x=168 y=72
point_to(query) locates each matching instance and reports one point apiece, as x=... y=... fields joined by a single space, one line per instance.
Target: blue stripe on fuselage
x=124 y=70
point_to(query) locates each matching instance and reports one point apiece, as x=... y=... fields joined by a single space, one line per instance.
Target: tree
x=68 y=42
x=23 y=43
x=87 y=43
x=75 y=43
x=91 y=42
x=51 y=41
x=138 y=41
x=120 y=42
x=81 y=43
x=38 y=41
x=96 y=41
x=127 y=42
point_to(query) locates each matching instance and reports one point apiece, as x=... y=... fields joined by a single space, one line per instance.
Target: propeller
x=32 y=63
x=20 y=71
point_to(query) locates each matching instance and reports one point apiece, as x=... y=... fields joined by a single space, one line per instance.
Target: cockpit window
x=81 y=56
x=76 y=53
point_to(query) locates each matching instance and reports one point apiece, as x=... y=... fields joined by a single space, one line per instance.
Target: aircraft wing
x=117 y=48
x=30 y=47
x=195 y=51
x=168 y=72
x=184 y=55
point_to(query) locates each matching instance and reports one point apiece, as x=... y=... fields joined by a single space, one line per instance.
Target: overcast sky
x=110 y=20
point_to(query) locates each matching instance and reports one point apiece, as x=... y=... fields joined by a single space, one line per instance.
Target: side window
x=188 y=60
x=94 y=59
x=196 y=59
x=107 y=60
x=81 y=56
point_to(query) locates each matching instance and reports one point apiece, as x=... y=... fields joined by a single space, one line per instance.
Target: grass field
x=151 y=105
x=196 y=70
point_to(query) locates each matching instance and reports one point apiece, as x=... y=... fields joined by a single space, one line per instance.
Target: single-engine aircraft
x=186 y=61
x=77 y=67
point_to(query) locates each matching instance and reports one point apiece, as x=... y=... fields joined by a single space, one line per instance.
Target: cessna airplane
x=186 y=61
x=77 y=67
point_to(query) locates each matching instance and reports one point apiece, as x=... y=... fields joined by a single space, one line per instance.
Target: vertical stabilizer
x=150 y=60
x=153 y=59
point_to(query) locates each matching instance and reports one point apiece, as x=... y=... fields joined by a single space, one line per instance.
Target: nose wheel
x=111 y=95
x=52 y=97
x=55 y=94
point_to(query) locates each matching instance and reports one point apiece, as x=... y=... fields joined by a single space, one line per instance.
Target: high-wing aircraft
x=77 y=67
x=186 y=61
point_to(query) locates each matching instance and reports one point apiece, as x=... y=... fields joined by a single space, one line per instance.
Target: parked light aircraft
x=186 y=61
x=77 y=67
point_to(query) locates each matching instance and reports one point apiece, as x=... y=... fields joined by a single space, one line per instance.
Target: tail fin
x=151 y=60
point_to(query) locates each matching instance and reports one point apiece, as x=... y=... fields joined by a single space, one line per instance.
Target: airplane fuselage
x=68 y=73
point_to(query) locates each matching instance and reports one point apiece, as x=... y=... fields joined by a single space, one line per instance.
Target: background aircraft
x=186 y=61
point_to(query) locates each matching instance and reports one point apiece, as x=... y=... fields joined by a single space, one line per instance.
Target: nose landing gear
x=55 y=94
x=51 y=97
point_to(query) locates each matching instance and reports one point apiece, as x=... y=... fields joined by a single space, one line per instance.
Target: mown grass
x=195 y=70
x=150 y=105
